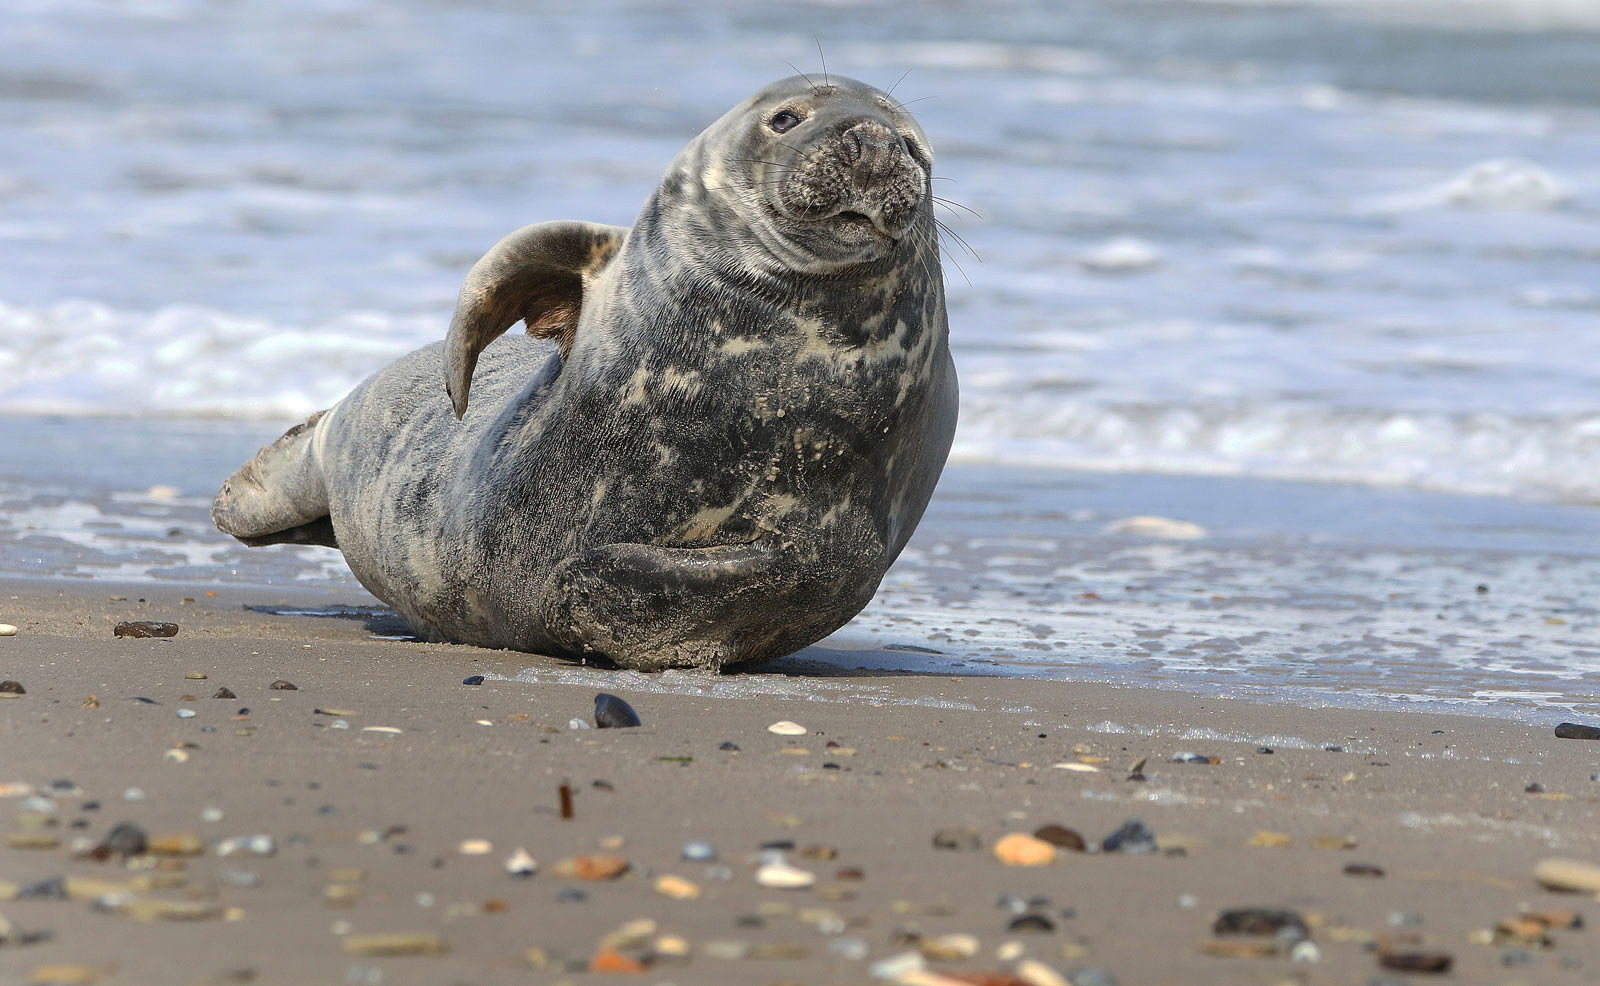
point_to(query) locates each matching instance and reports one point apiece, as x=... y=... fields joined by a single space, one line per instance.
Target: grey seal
x=719 y=431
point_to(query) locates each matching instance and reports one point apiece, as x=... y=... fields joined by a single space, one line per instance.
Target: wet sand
x=368 y=828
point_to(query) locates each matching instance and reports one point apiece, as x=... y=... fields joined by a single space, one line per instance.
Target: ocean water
x=1197 y=249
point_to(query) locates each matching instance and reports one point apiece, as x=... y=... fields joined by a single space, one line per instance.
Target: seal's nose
x=872 y=150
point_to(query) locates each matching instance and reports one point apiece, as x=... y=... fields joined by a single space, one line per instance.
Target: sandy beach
x=392 y=797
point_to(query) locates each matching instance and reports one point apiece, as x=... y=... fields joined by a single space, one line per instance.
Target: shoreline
x=371 y=830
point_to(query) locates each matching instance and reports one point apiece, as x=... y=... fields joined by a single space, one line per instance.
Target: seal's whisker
x=903 y=105
x=824 y=58
x=897 y=82
x=953 y=205
x=801 y=74
x=958 y=238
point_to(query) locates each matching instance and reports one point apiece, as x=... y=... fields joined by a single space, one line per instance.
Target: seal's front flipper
x=648 y=608
x=537 y=274
x=278 y=497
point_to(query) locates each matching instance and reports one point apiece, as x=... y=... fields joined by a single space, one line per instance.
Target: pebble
x=591 y=866
x=1568 y=874
x=186 y=713
x=677 y=887
x=1060 y=837
x=177 y=844
x=9 y=687
x=963 y=838
x=571 y=895
x=472 y=679
x=786 y=728
x=252 y=845
x=948 y=948
x=281 y=685
x=1416 y=961
x=521 y=863
x=1268 y=839
x=699 y=852
x=897 y=966
x=125 y=839
x=7 y=630
x=728 y=746
x=51 y=888
x=1577 y=730
x=1133 y=839
x=1031 y=922
x=1021 y=849
x=396 y=943
x=1276 y=922
x=224 y=693
x=144 y=628
x=1363 y=869
x=475 y=847
x=611 y=712
x=1200 y=758
x=576 y=723
x=782 y=876
x=1306 y=951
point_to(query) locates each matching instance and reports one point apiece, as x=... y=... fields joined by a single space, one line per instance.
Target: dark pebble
x=1334 y=748
x=145 y=628
x=1416 y=961
x=1265 y=750
x=779 y=845
x=284 y=686
x=63 y=786
x=1031 y=922
x=1363 y=869
x=1133 y=838
x=964 y=838
x=1061 y=837
x=1577 y=730
x=1534 y=788
x=472 y=679
x=1265 y=921
x=729 y=745
x=54 y=888
x=125 y=839
x=611 y=712
x=571 y=895
x=89 y=806
x=12 y=688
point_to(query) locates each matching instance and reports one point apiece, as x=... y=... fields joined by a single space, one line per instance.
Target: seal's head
x=826 y=176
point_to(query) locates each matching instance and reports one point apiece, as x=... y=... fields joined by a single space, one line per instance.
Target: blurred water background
x=1354 y=241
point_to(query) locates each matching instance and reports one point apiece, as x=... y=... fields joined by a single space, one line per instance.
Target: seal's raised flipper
x=537 y=274
x=278 y=497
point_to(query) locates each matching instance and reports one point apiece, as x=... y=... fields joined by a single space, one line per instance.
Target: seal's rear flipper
x=278 y=497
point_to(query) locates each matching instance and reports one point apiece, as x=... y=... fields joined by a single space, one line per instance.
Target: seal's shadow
x=376 y=620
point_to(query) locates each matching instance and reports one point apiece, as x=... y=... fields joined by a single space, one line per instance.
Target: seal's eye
x=784 y=120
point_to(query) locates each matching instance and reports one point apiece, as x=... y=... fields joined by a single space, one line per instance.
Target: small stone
x=1576 y=730
x=472 y=679
x=948 y=948
x=897 y=967
x=395 y=943
x=521 y=863
x=1306 y=951
x=7 y=630
x=195 y=675
x=9 y=687
x=475 y=847
x=176 y=755
x=1133 y=839
x=1560 y=918
x=1416 y=961
x=728 y=746
x=1021 y=849
x=699 y=852
x=177 y=844
x=611 y=712
x=224 y=693
x=576 y=723
x=962 y=838
x=1031 y=923
x=677 y=887
x=1227 y=949
x=1036 y=973
x=611 y=960
x=32 y=840
x=286 y=686
x=1060 y=837
x=1363 y=869
x=786 y=728
x=125 y=839
x=782 y=876
x=186 y=713
x=591 y=866
x=1568 y=874
x=1268 y=839
x=1521 y=931
x=251 y=845
x=571 y=895
x=145 y=628
x=51 y=888
x=1264 y=921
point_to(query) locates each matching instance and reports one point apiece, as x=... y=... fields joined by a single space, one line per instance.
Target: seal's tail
x=279 y=496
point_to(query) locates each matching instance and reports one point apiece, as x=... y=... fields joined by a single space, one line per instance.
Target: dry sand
x=368 y=827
